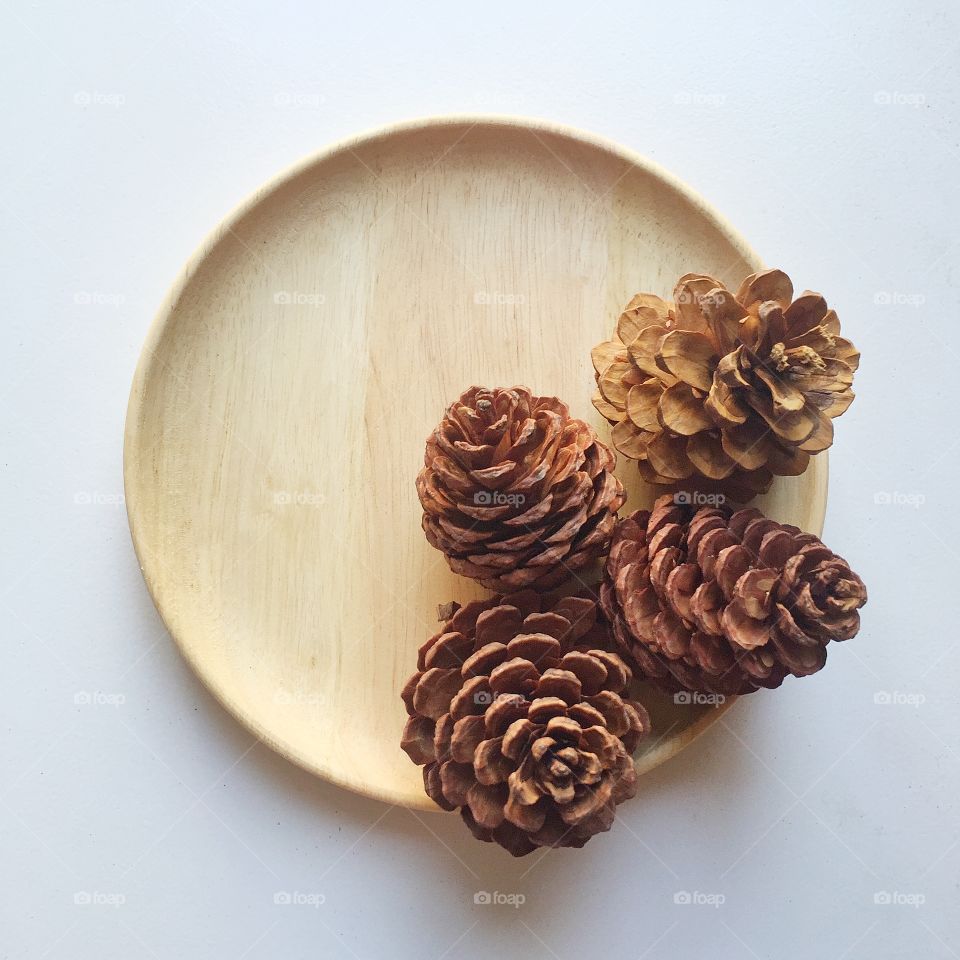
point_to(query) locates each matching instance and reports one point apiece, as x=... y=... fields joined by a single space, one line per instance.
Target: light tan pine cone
x=516 y=492
x=517 y=714
x=733 y=389
x=722 y=602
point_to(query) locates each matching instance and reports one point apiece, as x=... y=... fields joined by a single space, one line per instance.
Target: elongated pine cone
x=722 y=602
x=732 y=389
x=516 y=492
x=517 y=714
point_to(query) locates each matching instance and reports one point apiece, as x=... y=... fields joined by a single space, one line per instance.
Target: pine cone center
x=561 y=765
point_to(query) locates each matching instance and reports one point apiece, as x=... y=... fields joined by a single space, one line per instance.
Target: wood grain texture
x=278 y=413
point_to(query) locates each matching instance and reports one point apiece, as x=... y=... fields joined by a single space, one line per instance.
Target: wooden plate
x=280 y=406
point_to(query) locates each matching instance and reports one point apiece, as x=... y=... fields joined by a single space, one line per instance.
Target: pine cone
x=516 y=714
x=515 y=491
x=722 y=602
x=734 y=389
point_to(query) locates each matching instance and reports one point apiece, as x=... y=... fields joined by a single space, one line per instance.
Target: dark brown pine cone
x=516 y=492
x=722 y=602
x=516 y=714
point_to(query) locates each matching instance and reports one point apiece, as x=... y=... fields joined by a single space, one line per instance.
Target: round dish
x=279 y=410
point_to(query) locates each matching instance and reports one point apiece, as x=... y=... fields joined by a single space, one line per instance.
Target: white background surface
x=828 y=137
